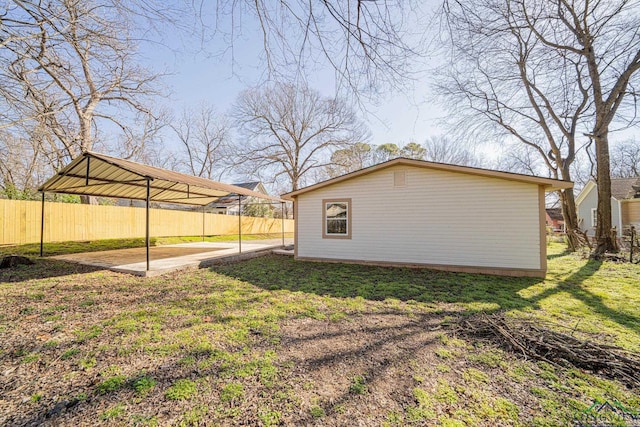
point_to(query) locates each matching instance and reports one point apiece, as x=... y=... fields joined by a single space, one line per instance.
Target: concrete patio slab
x=165 y=259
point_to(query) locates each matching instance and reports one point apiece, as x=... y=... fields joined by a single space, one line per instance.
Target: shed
x=423 y=214
x=625 y=205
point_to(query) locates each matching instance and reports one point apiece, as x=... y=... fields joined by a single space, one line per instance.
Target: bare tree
x=625 y=159
x=443 y=149
x=21 y=166
x=288 y=132
x=353 y=158
x=605 y=35
x=367 y=43
x=69 y=71
x=205 y=137
x=502 y=75
x=521 y=159
x=591 y=49
x=144 y=142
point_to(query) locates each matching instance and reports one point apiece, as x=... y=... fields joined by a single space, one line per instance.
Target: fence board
x=20 y=221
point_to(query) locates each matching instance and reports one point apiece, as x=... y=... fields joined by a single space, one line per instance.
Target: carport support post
x=282 y=215
x=203 y=216
x=239 y=223
x=146 y=239
x=42 y=228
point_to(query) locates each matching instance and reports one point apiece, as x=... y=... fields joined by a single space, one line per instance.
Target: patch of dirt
x=326 y=357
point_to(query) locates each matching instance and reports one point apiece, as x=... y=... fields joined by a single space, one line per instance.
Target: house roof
x=622 y=188
x=548 y=183
x=253 y=185
x=555 y=214
x=95 y=174
x=232 y=199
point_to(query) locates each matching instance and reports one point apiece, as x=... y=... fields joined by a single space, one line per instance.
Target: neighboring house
x=554 y=219
x=229 y=205
x=438 y=215
x=625 y=205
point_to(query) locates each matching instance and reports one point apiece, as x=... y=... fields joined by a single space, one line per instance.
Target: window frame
x=594 y=217
x=326 y=235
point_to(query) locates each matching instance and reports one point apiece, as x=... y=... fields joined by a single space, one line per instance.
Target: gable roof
x=555 y=214
x=548 y=183
x=232 y=199
x=622 y=188
x=95 y=174
x=253 y=185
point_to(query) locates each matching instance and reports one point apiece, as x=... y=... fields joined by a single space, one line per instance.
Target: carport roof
x=94 y=174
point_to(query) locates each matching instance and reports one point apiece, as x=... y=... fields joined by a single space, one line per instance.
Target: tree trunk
x=604 y=240
x=570 y=218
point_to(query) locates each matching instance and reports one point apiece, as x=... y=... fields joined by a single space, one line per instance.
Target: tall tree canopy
x=288 y=132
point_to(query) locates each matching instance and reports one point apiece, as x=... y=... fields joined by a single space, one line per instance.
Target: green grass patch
x=143 y=385
x=111 y=385
x=30 y=358
x=358 y=385
x=182 y=389
x=68 y=354
x=114 y=413
x=232 y=393
x=317 y=411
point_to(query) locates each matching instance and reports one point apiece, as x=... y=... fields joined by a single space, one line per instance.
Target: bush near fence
x=20 y=221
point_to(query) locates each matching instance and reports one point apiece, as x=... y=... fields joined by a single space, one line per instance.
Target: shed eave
x=548 y=184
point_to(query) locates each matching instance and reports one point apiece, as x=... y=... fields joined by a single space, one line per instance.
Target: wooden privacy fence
x=20 y=221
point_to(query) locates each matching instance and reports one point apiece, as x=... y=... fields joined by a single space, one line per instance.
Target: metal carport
x=95 y=174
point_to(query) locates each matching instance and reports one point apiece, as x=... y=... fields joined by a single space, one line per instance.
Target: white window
x=594 y=217
x=336 y=219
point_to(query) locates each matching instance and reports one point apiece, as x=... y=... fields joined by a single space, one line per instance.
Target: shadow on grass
x=486 y=293
x=475 y=292
x=42 y=269
x=574 y=286
x=66 y=248
x=559 y=254
x=407 y=338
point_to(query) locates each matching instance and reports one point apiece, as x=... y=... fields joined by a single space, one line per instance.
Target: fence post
x=147 y=217
x=633 y=237
x=42 y=228
x=282 y=214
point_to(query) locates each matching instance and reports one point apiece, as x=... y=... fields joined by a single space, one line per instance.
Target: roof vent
x=400 y=178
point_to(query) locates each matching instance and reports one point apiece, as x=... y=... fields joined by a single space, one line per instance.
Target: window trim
x=325 y=235
x=594 y=217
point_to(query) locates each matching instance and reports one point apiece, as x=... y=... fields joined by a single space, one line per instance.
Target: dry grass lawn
x=272 y=341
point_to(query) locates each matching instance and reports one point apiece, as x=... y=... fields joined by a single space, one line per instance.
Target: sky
x=198 y=74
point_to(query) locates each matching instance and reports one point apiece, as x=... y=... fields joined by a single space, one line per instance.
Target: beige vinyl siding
x=437 y=217
x=631 y=212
